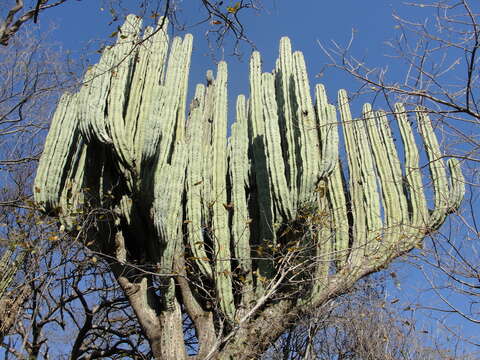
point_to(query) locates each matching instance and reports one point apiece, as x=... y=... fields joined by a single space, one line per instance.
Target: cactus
x=270 y=206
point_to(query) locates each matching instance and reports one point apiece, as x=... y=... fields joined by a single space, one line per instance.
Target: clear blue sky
x=306 y=22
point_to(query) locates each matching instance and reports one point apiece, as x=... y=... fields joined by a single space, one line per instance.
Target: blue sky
x=306 y=22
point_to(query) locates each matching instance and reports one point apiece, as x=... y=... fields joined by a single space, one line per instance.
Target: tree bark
x=202 y=319
x=162 y=326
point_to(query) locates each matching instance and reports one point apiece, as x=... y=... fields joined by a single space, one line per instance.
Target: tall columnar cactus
x=265 y=224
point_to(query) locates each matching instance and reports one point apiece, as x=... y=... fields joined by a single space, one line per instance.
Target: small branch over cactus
x=259 y=227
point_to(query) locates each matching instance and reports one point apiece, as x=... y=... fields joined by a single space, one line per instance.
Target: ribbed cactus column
x=220 y=227
x=266 y=224
x=239 y=175
x=195 y=225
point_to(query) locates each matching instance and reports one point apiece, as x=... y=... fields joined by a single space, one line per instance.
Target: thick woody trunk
x=171 y=338
x=202 y=319
x=161 y=324
x=162 y=327
x=253 y=339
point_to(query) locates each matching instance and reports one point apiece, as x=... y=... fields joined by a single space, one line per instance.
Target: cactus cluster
x=176 y=186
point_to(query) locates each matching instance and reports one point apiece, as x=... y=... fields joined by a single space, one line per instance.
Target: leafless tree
x=56 y=300
x=364 y=325
x=74 y=310
x=222 y=19
x=31 y=78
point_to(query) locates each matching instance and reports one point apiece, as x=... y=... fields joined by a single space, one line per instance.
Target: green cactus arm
x=399 y=206
x=288 y=122
x=369 y=181
x=167 y=205
x=337 y=197
x=207 y=151
x=154 y=56
x=327 y=132
x=333 y=185
x=363 y=186
x=220 y=230
x=137 y=94
x=449 y=192
x=241 y=140
x=239 y=166
x=195 y=224
x=145 y=89
x=92 y=99
x=257 y=122
x=149 y=127
x=388 y=169
x=308 y=157
x=324 y=252
x=72 y=196
x=264 y=217
x=358 y=211
x=457 y=184
x=327 y=238
x=183 y=85
x=62 y=149
x=273 y=150
x=413 y=177
x=171 y=98
x=118 y=98
x=437 y=170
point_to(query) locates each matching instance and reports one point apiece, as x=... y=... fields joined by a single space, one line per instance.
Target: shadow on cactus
x=242 y=234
